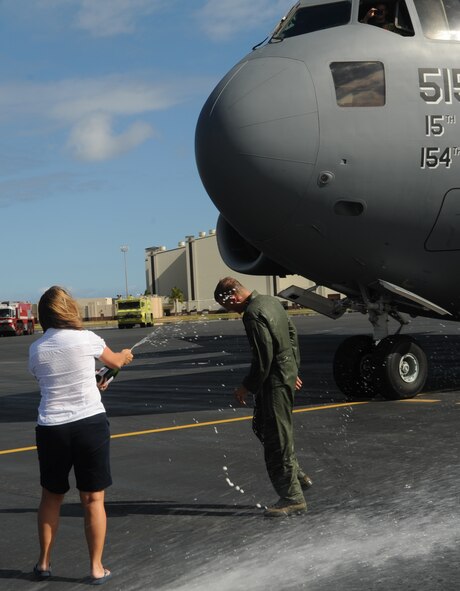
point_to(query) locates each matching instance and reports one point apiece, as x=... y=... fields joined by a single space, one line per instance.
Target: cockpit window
x=313 y=18
x=359 y=84
x=389 y=15
x=440 y=19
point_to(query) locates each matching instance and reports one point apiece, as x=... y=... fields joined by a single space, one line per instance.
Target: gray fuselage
x=344 y=195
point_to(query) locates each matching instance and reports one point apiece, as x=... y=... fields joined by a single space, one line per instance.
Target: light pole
x=124 y=249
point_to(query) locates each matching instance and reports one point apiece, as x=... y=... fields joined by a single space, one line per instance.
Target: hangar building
x=196 y=266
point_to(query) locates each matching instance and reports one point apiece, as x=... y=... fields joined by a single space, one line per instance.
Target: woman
x=72 y=427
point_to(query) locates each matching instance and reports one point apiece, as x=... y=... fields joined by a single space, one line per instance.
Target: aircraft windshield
x=389 y=15
x=314 y=18
x=440 y=19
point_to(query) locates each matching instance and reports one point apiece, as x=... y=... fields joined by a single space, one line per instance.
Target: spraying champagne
x=106 y=374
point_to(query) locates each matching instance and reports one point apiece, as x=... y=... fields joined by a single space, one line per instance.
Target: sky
x=99 y=101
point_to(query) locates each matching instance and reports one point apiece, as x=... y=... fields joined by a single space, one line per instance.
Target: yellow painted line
x=223 y=421
x=192 y=425
x=326 y=406
x=178 y=427
x=15 y=451
x=418 y=400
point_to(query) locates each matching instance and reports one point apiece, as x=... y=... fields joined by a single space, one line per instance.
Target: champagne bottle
x=106 y=373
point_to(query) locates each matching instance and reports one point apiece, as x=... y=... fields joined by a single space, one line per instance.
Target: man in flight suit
x=273 y=379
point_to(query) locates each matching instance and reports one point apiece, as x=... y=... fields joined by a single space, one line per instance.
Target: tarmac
x=185 y=512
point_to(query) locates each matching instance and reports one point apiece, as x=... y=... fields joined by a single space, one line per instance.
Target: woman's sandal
x=42 y=574
x=101 y=580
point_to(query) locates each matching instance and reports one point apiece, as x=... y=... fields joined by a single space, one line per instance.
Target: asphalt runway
x=383 y=512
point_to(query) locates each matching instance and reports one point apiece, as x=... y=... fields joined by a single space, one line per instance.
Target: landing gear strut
x=395 y=366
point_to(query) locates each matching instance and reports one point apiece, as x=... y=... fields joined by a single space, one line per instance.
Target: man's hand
x=371 y=13
x=241 y=393
x=298 y=383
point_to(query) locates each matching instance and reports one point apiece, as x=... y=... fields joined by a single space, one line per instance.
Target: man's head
x=382 y=13
x=231 y=295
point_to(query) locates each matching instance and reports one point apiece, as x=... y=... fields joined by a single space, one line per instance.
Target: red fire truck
x=16 y=318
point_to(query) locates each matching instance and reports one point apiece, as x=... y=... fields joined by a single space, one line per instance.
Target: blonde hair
x=57 y=309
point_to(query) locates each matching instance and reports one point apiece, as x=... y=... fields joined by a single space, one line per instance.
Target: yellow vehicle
x=135 y=310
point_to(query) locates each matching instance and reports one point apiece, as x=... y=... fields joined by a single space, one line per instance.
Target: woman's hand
x=103 y=385
x=128 y=356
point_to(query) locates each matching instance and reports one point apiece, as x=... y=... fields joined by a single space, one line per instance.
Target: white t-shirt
x=63 y=362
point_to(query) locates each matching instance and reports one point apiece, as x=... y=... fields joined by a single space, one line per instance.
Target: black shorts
x=83 y=444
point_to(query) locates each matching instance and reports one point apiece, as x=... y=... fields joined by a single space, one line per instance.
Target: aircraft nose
x=256 y=143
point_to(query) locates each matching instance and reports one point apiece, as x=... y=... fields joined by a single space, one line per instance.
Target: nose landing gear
x=401 y=367
x=396 y=368
x=353 y=368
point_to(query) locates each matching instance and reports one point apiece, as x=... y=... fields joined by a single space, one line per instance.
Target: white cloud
x=72 y=99
x=88 y=109
x=106 y=18
x=93 y=139
x=223 y=19
x=99 y=18
x=117 y=95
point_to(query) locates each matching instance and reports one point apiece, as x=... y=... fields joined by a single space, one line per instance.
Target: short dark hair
x=225 y=288
x=57 y=309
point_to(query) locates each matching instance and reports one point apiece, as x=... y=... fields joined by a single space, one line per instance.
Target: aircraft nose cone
x=256 y=143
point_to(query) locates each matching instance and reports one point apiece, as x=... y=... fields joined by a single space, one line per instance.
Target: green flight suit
x=272 y=377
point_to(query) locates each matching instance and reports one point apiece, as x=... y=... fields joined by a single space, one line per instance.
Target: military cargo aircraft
x=332 y=151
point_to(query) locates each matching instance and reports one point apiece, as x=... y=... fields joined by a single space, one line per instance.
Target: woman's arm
x=116 y=360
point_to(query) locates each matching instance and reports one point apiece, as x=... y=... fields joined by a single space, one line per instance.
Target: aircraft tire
x=401 y=367
x=353 y=367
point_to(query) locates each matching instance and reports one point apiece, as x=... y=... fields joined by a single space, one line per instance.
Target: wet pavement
x=382 y=514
